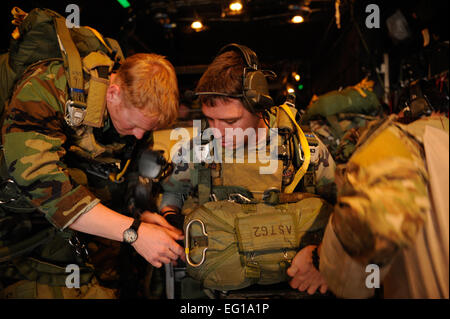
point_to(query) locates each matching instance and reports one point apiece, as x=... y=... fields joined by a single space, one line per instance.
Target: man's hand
x=304 y=275
x=157 y=219
x=157 y=244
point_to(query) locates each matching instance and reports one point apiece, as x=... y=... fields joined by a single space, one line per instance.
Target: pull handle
x=188 y=258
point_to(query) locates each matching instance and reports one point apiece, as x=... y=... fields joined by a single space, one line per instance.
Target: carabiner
x=188 y=259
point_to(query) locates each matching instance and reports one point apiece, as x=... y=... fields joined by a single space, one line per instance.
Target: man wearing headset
x=234 y=96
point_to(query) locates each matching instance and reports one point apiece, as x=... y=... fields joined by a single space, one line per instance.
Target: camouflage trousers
x=26 y=289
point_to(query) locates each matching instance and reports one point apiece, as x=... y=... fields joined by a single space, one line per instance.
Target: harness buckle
x=75 y=113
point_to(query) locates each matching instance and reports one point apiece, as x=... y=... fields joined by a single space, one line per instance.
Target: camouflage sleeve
x=325 y=170
x=33 y=139
x=383 y=196
x=178 y=185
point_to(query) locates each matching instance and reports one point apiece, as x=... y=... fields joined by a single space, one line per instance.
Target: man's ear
x=113 y=93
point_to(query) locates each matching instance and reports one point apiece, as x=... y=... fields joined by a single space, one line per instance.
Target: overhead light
x=296 y=76
x=236 y=6
x=197 y=25
x=297 y=19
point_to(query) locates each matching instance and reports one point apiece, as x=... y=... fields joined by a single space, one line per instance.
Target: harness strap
x=72 y=61
x=204 y=184
x=305 y=147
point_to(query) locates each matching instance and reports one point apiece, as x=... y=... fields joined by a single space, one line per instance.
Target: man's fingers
x=313 y=287
x=164 y=260
x=149 y=217
x=156 y=264
x=323 y=288
x=170 y=254
x=294 y=283
x=174 y=235
x=291 y=271
x=304 y=284
x=177 y=249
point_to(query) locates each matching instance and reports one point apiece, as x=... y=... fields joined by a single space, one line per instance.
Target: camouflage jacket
x=41 y=151
x=184 y=179
x=383 y=203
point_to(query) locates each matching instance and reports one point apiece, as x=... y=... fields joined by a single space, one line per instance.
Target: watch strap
x=136 y=224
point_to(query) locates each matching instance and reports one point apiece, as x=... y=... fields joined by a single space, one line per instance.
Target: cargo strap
x=204 y=183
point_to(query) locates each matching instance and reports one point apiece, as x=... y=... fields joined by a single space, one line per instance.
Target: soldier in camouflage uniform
x=392 y=213
x=183 y=189
x=46 y=167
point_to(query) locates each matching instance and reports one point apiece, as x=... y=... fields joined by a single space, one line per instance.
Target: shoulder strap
x=75 y=108
x=72 y=60
x=305 y=147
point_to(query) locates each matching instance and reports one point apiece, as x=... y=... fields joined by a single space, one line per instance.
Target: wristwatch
x=130 y=235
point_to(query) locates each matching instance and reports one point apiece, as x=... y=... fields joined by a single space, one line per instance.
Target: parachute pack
x=42 y=35
x=231 y=246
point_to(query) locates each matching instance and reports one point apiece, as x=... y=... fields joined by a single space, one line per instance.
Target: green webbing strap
x=49 y=274
x=204 y=184
x=252 y=270
x=335 y=127
x=72 y=61
x=309 y=180
x=25 y=246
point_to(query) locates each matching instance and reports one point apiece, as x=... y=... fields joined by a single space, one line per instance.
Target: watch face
x=130 y=235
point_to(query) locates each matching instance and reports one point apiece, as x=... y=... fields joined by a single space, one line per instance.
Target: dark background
x=326 y=57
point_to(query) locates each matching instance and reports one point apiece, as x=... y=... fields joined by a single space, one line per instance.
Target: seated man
x=243 y=123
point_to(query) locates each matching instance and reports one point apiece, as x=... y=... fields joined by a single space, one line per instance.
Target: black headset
x=255 y=94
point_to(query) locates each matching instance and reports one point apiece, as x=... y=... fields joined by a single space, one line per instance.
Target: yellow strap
x=116 y=178
x=305 y=147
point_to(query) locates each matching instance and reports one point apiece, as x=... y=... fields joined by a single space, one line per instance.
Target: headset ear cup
x=256 y=91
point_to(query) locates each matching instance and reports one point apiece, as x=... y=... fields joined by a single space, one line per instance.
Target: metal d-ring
x=3 y=185
x=188 y=259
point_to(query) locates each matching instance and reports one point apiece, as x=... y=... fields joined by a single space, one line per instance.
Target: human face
x=131 y=121
x=231 y=114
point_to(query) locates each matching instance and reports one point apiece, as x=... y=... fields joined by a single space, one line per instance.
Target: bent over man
x=69 y=176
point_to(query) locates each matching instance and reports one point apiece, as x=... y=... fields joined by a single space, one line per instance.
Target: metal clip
x=268 y=192
x=80 y=248
x=75 y=113
x=239 y=198
x=188 y=258
x=213 y=197
x=3 y=187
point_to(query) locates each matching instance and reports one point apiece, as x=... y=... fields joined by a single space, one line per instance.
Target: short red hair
x=148 y=82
